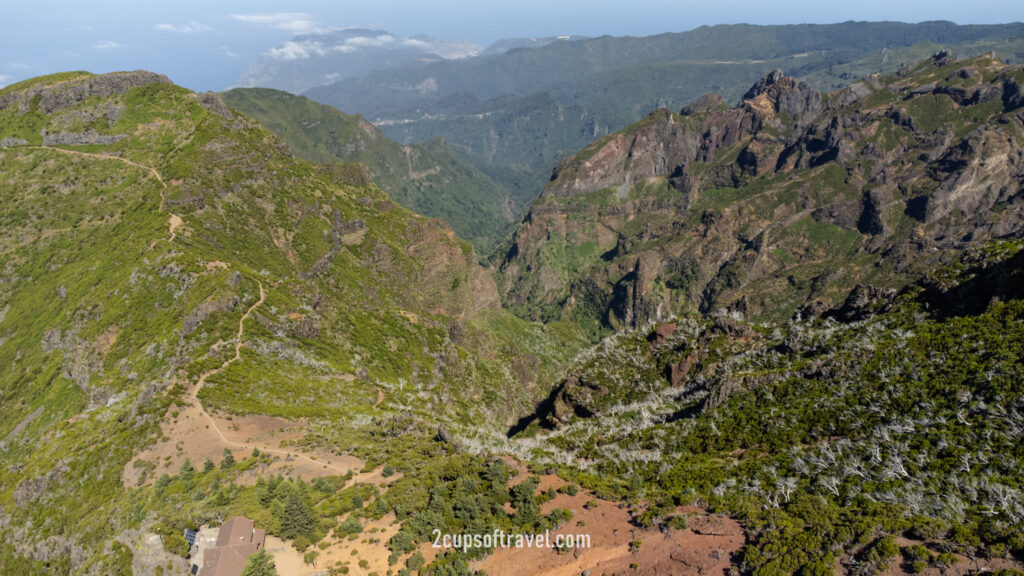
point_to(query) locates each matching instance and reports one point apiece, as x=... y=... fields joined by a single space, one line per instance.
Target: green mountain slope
x=194 y=325
x=430 y=178
x=164 y=255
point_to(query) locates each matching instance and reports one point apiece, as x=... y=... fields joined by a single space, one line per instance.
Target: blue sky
x=206 y=45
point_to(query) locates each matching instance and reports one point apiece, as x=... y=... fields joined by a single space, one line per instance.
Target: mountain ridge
x=635 y=225
x=430 y=177
x=137 y=246
x=517 y=114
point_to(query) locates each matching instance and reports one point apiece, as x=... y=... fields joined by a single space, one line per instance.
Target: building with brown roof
x=237 y=539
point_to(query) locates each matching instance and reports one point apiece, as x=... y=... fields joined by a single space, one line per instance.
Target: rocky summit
x=781 y=204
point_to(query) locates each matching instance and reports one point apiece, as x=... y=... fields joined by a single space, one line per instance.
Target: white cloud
x=294 y=22
x=303 y=49
x=296 y=50
x=382 y=40
x=292 y=50
x=107 y=45
x=227 y=52
x=414 y=43
x=190 y=28
x=5 y=80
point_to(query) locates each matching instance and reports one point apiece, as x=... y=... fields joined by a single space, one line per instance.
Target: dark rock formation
x=771 y=202
x=213 y=103
x=661 y=334
x=203 y=311
x=53 y=98
x=861 y=303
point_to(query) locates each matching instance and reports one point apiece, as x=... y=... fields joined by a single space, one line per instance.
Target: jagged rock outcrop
x=60 y=96
x=80 y=138
x=788 y=198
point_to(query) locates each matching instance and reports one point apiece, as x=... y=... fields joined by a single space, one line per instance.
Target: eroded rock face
x=80 y=138
x=53 y=98
x=779 y=93
x=788 y=198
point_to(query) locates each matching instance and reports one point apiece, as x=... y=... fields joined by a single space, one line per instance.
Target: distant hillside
x=430 y=178
x=523 y=110
x=507 y=44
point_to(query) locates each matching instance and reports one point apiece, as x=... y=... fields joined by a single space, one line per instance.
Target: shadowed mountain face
x=781 y=203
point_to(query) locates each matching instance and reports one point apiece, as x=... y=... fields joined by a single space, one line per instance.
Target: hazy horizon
x=207 y=46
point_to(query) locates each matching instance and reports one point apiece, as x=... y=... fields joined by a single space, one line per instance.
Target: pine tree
x=260 y=564
x=525 y=502
x=188 y=475
x=228 y=460
x=297 y=518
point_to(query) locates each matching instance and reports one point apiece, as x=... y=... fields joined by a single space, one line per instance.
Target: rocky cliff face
x=780 y=204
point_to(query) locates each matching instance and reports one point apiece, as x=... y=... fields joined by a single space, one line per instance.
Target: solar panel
x=190 y=537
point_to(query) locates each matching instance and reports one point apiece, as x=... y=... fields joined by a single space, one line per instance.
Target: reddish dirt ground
x=705 y=547
x=193 y=432
x=370 y=546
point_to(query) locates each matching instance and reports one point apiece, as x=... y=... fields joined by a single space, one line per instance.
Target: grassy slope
x=430 y=178
x=104 y=319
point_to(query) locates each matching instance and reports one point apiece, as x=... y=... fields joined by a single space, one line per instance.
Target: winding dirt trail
x=174 y=220
x=103 y=157
x=194 y=407
x=193 y=397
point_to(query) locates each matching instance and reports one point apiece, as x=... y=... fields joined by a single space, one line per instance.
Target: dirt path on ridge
x=174 y=220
